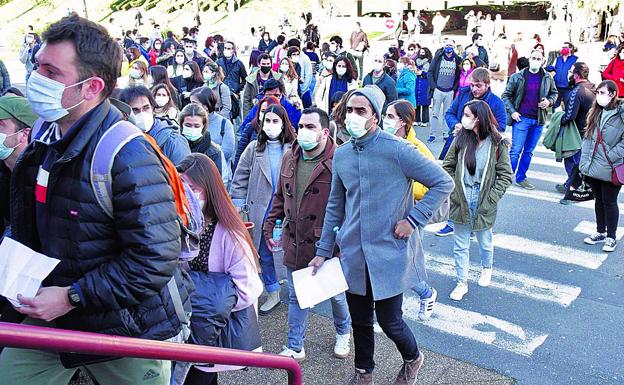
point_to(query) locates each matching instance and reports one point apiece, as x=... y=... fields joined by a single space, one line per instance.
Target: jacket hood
x=251 y=78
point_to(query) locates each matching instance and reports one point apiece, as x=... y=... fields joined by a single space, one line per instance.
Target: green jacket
x=564 y=141
x=497 y=177
x=514 y=93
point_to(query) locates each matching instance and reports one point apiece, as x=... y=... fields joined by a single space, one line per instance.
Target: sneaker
x=609 y=245
x=595 y=238
x=342 y=348
x=460 y=291
x=426 y=306
x=561 y=188
x=446 y=231
x=273 y=300
x=445 y=137
x=526 y=185
x=298 y=356
x=485 y=278
x=565 y=202
x=409 y=371
x=431 y=139
x=361 y=378
x=473 y=236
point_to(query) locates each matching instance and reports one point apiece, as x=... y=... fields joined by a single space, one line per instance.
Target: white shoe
x=342 y=348
x=426 y=306
x=609 y=245
x=486 y=277
x=377 y=328
x=596 y=238
x=460 y=291
x=273 y=299
x=293 y=354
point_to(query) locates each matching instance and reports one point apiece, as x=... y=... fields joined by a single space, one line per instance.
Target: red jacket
x=615 y=72
x=153 y=55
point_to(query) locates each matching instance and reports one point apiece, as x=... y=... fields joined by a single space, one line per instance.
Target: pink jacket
x=464 y=79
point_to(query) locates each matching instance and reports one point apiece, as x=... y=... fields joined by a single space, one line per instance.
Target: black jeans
x=390 y=318
x=606 y=205
x=199 y=377
x=422 y=114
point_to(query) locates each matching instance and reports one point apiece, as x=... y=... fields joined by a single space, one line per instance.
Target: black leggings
x=199 y=377
x=422 y=114
x=606 y=205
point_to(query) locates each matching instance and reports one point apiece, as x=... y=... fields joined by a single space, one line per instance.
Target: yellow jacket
x=419 y=188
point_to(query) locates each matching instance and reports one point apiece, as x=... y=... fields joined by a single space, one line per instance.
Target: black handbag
x=578 y=190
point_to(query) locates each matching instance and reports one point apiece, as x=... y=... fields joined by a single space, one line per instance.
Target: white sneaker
x=460 y=291
x=342 y=348
x=609 y=245
x=486 y=277
x=293 y=354
x=595 y=238
x=426 y=306
x=272 y=301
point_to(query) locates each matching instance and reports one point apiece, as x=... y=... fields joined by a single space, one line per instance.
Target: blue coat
x=293 y=114
x=422 y=90
x=172 y=143
x=562 y=69
x=387 y=86
x=371 y=191
x=456 y=111
x=406 y=86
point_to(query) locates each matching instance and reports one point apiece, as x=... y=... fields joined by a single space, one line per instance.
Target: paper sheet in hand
x=328 y=282
x=22 y=270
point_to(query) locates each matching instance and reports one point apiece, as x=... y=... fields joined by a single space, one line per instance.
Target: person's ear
x=94 y=88
x=25 y=135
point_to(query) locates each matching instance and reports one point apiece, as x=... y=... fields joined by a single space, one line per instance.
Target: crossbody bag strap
x=604 y=148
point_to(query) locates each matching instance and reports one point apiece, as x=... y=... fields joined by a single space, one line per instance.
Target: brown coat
x=301 y=233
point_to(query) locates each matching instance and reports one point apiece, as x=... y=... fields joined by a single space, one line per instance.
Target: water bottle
x=277 y=236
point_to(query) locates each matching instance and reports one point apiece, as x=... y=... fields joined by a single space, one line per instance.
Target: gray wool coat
x=371 y=191
x=252 y=186
x=596 y=165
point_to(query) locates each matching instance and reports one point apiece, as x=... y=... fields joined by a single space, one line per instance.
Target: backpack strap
x=222 y=127
x=109 y=145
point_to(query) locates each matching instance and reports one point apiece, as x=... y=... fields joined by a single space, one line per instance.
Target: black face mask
x=265 y=69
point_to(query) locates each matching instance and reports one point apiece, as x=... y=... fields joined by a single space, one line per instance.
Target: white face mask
x=45 y=97
x=295 y=58
x=535 y=65
x=228 y=54
x=284 y=68
x=328 y=65
x=390 y=126
x=307 y=139
x=273 y=130
x=135 y=74
x=467 y=67
x=144 y=120
x=202 y=202
x=378 y=66
x=467 y=123
x=192 y=133
x=341 y=71
x=603 y=100
x=179 y=60
x=356 y=125
x=161 y=100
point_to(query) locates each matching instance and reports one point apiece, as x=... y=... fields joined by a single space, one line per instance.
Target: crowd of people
x=299 y=139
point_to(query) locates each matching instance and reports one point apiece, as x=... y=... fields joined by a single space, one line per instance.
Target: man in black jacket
x=580 y=100
x=115 y=273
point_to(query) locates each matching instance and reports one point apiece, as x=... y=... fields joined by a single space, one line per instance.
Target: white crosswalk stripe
x=588 y=228
x=548 y=196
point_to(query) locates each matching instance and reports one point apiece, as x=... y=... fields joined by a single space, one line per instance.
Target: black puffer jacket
x=122 y=265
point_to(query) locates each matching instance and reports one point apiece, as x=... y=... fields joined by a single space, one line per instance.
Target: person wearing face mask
x=27 y=52
x=225 y=247
x=193 y=78
x=304 y=70
x=406 y=81
x=164 y=131
x=310 y=160
x=99 y=250
x=377 y=256
x=562 y=68
x=155 y=51
x=478 y=161
x=233 y=69
x=381 y=79
x=482 y=53
x=193 y=121
x=256 y=80
x=266 y=44
x=167 y=53
x=213 y=76
x=165 y=105
x=423 y=100
x=191 y=54
x=176 y=69
x=323 y=80
x=291 y=82
x=528 y=95
x=144 y=47
x=250 y=131
x=138 y=75
x=335 y=46
x=255 y=182
x=601 y=151
x=443 y=77
x=615 y=70
x=464 y=78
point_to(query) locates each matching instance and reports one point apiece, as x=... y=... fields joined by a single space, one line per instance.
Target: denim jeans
x=421 y=288
x=298 y=317
x=440 y=104
x=390 y=318
x=269 y=275
x=461 y=249
x=525 y=135
x=569 y=164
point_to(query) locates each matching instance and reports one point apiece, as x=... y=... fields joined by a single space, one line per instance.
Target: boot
x=409 y=371
x=273 y=300
x=361 y=378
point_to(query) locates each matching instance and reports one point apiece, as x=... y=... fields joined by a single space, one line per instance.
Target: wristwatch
x=74 y=298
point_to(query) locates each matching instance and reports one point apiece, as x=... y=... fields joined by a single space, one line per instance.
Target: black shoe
x=561 y=188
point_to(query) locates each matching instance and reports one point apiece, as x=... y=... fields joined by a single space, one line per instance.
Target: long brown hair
x=486 y=126
x=256 y=121
x=288 y=132
x=406 y=112
x=202 y=171
x=339 y=113
x=593 y=116
x=292 y=73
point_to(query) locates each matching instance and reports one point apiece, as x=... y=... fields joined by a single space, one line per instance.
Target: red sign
x=389 y=23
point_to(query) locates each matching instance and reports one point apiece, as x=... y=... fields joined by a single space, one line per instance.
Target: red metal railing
x=36 y=337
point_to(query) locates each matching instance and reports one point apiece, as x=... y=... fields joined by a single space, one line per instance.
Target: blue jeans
x=461 y=249
x=421 y=288
x=298 y=317
x=269 y=275
x=525 y=135
x=569 y=164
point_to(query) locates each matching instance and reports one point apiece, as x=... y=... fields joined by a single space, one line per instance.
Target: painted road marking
x=478 y=327
x=511 y=282
x=547 y=176
x=548 y=196
x=588 y=228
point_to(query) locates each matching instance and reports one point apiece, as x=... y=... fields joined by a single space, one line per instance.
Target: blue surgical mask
x=5 y=151
x=356 y=125
x=449 y=50
x=45 y=97
x=307 y=139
